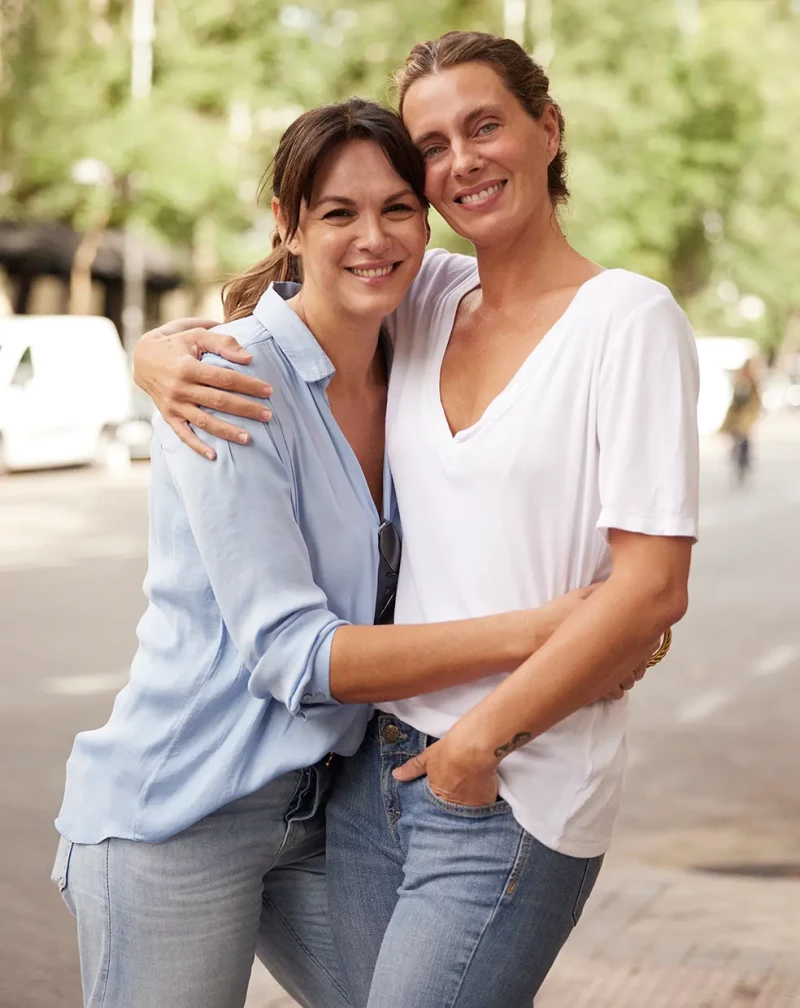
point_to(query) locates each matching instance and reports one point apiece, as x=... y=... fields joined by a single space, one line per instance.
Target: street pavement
x=699 y=903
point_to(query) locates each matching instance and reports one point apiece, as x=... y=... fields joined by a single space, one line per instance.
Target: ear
x=283 y=227
x=280 y=220
x=549 y=123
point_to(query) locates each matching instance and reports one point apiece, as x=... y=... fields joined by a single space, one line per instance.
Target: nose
x=374 y=237
x=466 y=159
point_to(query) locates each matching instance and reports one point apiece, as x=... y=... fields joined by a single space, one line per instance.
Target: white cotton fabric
x=597 y=430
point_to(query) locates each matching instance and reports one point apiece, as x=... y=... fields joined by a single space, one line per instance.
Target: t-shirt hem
x=564 y=845
x=648 y=524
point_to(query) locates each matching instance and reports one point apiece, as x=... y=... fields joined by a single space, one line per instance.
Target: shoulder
x=643 y=329
x=440 y=272
x=254 y=337
x=628 y=297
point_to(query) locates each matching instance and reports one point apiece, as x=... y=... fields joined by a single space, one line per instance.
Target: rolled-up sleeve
x=242 y=517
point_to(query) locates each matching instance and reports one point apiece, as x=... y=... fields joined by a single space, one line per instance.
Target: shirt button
x=321 y=697
x=307 y=698
x=391 y=733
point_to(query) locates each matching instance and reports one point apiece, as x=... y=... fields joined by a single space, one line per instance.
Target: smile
x=483 y=194
x=373 y=271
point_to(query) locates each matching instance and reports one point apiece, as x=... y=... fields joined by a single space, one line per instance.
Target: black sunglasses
x=389 y=550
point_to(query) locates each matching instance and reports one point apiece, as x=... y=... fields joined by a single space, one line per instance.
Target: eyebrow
x=345 y=201
x=478 y=113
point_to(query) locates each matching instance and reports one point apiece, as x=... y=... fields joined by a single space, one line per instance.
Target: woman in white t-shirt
x=541 y=430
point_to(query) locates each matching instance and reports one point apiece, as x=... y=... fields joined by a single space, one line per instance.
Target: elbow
x=675 y=606
x=658 y=602
x=668 y=603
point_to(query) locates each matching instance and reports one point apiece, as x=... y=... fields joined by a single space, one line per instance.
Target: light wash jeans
x=176 y=924
x=450 y=906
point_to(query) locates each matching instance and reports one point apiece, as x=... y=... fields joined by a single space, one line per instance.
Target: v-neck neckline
x=444 y=324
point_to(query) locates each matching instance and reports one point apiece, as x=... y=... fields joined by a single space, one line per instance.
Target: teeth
x=483 y=194
x=383 y=271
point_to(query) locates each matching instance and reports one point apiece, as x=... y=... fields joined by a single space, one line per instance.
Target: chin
x=489 y=229
x=373 y=305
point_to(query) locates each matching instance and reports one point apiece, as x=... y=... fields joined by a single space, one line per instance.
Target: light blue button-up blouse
x=254 y=561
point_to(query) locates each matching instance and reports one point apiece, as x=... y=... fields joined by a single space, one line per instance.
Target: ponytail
x=241 y=294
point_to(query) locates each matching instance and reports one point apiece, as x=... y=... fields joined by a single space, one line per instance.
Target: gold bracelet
x=662 y=648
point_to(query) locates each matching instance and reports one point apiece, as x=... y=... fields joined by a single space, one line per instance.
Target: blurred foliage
x=683 y=124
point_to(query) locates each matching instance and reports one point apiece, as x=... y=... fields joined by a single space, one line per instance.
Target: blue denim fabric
x=449 y=906
x=176 y=924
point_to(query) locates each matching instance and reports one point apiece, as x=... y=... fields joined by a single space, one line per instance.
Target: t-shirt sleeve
x=647 y=423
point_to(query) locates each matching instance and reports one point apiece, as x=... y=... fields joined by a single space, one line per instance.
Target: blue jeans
x=440 y=905
x=176 y=924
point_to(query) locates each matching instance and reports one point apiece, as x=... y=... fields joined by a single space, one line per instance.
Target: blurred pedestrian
x=541 y=429
x=742 y=415
x=192 y=826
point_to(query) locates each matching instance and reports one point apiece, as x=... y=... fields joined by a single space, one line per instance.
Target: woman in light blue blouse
x=192 y=828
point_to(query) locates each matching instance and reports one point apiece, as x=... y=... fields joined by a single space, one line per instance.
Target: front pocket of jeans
x=60 y=873
x=494 y=808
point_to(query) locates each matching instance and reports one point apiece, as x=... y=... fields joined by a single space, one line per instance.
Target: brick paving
x=667 y=938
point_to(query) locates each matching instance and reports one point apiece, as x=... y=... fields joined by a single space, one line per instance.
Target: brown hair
x=301 y=152
x=524 y=78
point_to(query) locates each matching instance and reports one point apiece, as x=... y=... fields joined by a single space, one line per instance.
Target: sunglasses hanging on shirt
x=389 y=550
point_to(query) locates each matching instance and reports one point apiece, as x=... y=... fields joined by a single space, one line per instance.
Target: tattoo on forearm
x=520 y=739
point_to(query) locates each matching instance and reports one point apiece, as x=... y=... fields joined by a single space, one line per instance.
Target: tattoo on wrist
x=520 y=739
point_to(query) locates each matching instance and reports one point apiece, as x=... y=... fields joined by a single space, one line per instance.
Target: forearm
x=371 y=664
x=577 y=665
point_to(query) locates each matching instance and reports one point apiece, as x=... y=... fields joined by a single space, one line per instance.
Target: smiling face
x=486 y=158
x=362 y=235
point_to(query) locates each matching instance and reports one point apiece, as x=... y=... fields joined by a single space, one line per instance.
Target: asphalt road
x=715 y=744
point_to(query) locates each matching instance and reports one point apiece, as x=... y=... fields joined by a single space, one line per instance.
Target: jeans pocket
x=469 y=811
x=588 y=879
x=60 y=872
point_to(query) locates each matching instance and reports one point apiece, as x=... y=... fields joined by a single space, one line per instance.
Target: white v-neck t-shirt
x=597 y=430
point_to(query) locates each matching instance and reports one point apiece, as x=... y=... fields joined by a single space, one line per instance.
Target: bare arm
x=615 y=628
x=167 y=366
x=382 y=663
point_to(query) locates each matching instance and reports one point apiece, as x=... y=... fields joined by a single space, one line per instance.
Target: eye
x=400 y=208
x=340 y=214
x=430 y=152
x=488 y=128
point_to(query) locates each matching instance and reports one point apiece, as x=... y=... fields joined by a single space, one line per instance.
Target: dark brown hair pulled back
x=523 y=77
x=302 y=149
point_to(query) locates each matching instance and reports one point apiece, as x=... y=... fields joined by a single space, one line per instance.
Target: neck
x=529 y=262
x=351 y=342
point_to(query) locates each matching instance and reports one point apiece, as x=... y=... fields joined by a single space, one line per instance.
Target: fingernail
x=210 y=456
x=244 y=438
x=266 y=390
x=266 y=414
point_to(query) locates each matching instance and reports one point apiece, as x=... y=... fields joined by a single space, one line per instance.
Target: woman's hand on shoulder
x=167 y=366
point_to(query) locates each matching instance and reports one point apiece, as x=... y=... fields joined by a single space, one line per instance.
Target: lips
x=372 y=271
x=479 y=195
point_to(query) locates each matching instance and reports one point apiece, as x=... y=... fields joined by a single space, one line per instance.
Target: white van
x=65 y=390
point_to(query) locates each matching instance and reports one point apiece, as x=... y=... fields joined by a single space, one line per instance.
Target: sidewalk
x=664 y=938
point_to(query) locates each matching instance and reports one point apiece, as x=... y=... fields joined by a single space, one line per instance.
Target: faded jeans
x=176 y=924
x=448 y=906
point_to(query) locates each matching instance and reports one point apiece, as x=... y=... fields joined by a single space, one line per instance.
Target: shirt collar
x=293 y=337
